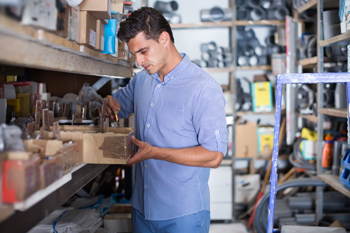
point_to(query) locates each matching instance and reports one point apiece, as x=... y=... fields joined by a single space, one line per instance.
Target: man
x=180 y=128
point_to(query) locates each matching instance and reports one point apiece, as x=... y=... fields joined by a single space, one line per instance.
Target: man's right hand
x=112 y=107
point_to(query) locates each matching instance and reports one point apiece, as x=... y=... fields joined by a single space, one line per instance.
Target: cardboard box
x=74 y=23
x=20 y=176
x=117 y=6
x=100 y=9
x=87 y=25
x=100 y=35
x=43 y=147
x=262 y=96
x=51 y=169
x=246 y=139
x=118 y=222
x=120 y=208
x=112 y=147
x=265 y=141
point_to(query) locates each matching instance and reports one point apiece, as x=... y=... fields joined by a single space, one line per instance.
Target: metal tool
x=102 y=118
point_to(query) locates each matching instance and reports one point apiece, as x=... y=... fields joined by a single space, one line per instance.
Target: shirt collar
x=177 y=70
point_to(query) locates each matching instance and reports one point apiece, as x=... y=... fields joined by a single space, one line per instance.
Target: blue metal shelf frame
x=310 y=78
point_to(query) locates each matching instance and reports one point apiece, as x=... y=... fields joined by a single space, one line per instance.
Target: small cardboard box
x=113 y=147
x=246 y=139
x=262 y=96
x=117 y=6
x=100 y=9
x=20 y=176
x=43 y=147
x=118 y=222
x=100 y=34
x=87 y=28
x=74 y=24
x=120 y=208
x=265 y=141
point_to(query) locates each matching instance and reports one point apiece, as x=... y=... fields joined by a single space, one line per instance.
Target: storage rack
x=24 y=46
x=331 y=180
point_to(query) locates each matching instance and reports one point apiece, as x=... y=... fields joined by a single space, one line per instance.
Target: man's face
x=149 y=54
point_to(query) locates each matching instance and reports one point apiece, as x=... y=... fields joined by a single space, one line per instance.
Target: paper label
x=92 y=40
x=102 y=43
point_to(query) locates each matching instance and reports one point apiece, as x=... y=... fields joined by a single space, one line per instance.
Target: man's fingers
x=135 y=141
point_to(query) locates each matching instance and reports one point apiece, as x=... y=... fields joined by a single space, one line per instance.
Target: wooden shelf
x=226 y=162
x=254 y=113
x=334 y=182
x=218 y=70
x=265 y=67
x=261 y=22
x=341 y=112
x=36 y=48
x=308 y=61
x=201 y=25
x=311 y=118
x=338 y=38
x=307 y=6
x=42 y=209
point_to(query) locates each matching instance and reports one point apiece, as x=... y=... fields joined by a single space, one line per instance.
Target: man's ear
x=164 y=38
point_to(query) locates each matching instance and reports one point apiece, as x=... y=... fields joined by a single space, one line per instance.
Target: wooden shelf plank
x=217 y=70
x=254 y=113
x=261 y=22
x=201 y=25
x=338 y=38
x=341 y=112
x=308 y=61
x=226 y=162
x=42 y=209
x=265 y=67
x=307 y=6
x=37 y=48
x=311 y=118
x=334 y=182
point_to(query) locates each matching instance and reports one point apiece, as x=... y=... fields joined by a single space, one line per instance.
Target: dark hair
x=147 y=20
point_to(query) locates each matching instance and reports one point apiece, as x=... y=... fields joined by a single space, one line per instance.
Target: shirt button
x=158 y=85
x=148 y=125
x=146 y=166
x=152 y=104
x=146 y=186
x=217 y=132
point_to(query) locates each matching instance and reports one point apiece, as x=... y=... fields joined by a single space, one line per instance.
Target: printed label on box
x=92 y=40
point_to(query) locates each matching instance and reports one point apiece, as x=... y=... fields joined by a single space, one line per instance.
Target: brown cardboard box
x=246 y=139
x=100 y=9
x=43 y=147
x=87 y=25
x=74 y=24
x=112 y=147
x=100 y=34
x=117 y=6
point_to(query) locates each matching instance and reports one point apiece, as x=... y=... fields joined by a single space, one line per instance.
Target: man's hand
x=144 y=152
x=112 y=106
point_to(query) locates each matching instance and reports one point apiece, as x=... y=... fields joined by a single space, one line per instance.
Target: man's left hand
x=144 y=151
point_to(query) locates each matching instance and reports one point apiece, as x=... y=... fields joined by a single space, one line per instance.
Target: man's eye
x=143 y=52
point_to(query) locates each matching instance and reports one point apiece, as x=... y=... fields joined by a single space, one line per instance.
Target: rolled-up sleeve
x=209 y=117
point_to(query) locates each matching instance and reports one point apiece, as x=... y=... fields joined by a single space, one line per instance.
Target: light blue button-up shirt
x=186 y=110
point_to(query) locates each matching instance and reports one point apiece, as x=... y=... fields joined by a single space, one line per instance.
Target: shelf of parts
x=265 y=67
x=260 y=23
x=335 y=39
x=43 y=208
x=36 y=48
x=336 y=112
x=307 y=6
x=311 y=118
x=201 y=25
x=218 y=70
x=335 y=183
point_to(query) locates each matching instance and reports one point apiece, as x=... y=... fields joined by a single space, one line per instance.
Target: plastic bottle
x=327 y=152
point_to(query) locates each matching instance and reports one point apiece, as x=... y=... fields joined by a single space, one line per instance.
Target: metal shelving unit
x=30 y=217
x=24 y=46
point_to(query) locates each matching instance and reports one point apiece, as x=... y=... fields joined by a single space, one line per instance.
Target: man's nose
x=139 y=59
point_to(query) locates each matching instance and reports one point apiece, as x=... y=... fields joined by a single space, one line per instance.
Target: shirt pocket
x=171 y=115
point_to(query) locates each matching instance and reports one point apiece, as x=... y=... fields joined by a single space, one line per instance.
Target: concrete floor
x=227 y=228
